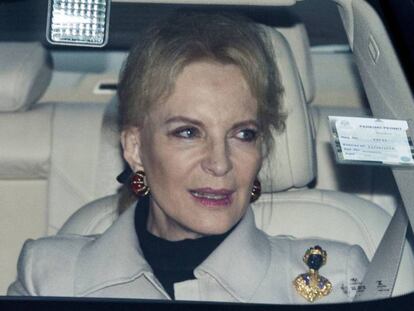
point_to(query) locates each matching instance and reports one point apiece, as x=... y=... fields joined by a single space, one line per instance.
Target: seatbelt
x=379 y=279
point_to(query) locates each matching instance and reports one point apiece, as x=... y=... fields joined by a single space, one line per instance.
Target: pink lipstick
x=212 y=197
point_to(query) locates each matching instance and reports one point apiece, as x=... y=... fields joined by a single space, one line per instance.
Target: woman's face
x=200 y=150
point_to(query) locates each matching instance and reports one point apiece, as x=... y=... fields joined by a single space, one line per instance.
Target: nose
x=217 y=160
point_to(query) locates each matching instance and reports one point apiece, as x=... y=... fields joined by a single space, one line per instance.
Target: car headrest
x=291 y=163
x=24 y=76
x=298 y=39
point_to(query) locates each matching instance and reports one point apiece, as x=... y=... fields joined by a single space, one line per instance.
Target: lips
x=212 y=197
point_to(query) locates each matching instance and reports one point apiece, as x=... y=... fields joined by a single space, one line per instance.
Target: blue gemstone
x=321 y=284
x=315 y=261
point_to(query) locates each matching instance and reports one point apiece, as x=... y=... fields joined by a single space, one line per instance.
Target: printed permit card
x=371 y=141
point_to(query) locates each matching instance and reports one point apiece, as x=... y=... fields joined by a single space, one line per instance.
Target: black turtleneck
x=172 y=261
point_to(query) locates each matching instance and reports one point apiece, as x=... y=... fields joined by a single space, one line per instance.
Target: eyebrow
x=246 y=123
x=199 y=123
x=183 y=120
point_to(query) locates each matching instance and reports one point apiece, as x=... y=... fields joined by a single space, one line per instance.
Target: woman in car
x=199 y=97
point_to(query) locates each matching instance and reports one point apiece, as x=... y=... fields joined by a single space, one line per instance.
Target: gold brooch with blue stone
x=311 y=285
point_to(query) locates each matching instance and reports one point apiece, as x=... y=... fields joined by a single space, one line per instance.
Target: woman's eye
x=188 y=132
x=247 y=135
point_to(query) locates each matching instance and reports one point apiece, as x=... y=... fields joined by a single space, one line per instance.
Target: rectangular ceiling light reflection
x=78 y=22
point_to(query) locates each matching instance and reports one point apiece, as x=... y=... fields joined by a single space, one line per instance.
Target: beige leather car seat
x=25 y=134
x=286 y=207
x=47 y=153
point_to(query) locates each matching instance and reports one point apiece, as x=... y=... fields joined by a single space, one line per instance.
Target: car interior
x=60 y=150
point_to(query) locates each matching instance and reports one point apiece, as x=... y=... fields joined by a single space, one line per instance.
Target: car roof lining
x=25 y=20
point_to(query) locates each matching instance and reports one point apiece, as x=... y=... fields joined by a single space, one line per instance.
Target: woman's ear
x=131 y=142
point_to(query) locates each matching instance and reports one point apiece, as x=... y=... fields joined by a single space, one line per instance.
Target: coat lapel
x=241 y=261
x=113 y=258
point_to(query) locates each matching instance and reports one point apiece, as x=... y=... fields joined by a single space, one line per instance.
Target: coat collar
x=114 y=257
x=238 y=264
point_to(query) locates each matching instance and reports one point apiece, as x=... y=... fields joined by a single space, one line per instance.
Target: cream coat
x=248 y=266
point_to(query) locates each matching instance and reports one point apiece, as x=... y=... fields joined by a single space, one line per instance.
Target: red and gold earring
x=139 y=184
x=256 y=191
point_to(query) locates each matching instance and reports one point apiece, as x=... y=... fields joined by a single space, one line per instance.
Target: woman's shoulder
x=295 y=244
x=46 y=265
x=338 y=253
x=345 y=264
